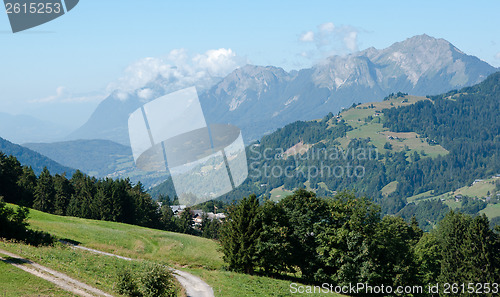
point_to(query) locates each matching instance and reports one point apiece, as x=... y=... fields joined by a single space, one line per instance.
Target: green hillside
x=367 y=120
x=392 y=151
x=196 y=255
x=28 y=157
x=131 y=241
x=95 y=157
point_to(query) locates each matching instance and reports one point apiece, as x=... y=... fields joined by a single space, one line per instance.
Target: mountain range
x=94 y=157
x=37 y=161
x=23 y=128
x=413 y=155
x=261 y=99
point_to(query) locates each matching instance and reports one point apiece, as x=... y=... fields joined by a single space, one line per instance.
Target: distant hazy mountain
x=95 y=157
x=260 y=99
x=99 y=158
x=24 y=128
x=31 y=158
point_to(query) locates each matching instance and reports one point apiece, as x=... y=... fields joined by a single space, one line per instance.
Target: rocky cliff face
x=260 y=99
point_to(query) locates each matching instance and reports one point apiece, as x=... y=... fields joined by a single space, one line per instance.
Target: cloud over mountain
x=178 y=69
x=259 y=99
x=328 y=39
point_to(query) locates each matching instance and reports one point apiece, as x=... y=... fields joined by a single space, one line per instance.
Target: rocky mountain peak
x=259 y=99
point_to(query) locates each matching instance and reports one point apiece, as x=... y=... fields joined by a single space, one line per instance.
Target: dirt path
x=60 y=279
x=194 y=286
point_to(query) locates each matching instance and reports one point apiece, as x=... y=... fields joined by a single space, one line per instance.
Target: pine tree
x=10 y=170
x=63 y=192
x=44 y=192
x=27 y=183
x=469 y=250
x=185 y=221
x=239 y=235
x=166 y=218
x=481 y=251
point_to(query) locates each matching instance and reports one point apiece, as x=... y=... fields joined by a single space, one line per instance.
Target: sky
x=61 y=70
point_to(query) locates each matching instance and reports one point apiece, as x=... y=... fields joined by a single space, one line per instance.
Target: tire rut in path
x=194 y=286
x=59 y=279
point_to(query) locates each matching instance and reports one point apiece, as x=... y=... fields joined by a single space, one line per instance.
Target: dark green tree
x=305 y=212
x=274 y=246
x=27 y=183
x=469 y=250
x=428 y=257
x=185 y=221
x=346 y=243
x=167 y=218
x=210 y=228
x=44 y=192
x=10 y=170
x=239 y=235
x=395 y=259
x=63 y=191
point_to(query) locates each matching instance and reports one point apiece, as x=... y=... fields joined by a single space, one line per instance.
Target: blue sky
x=61 y=70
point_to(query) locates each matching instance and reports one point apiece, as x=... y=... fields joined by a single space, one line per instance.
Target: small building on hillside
x=477 y=181
x=176 y=209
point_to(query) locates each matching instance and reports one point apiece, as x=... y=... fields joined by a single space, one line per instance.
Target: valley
x=375 y=166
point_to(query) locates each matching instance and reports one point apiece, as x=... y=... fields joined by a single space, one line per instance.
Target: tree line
x=83 y=196
x=344 y=240
x=464 y=122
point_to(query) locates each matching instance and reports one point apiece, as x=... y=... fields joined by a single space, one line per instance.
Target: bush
x=126 y=284
x=14 y=225
x=156 y=281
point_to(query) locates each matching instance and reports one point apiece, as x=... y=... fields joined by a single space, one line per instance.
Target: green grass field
x=491 y=211
x=16 y=282
x=132 y=241
x=419 y=197
x=389 y=188
x=248 y=285
x=95 y=270
x=279 y=193
x=478 y=190
x=379 y=135
x=197 y=255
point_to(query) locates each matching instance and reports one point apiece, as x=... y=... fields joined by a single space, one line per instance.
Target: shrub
x=126 y=284
x=156 y=281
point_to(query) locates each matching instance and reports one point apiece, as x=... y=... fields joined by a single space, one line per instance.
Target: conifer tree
x=239 y=235
x=44 y=192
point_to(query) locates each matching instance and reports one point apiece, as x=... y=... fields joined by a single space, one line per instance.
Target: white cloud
x=177 y=70
x=62 y=95
x=60 y=92
x=144 y=94
x=351 y=40
x=497 y=56
x=307 y=37
x=329 y=39
x=219 y=62
x=326 y=27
